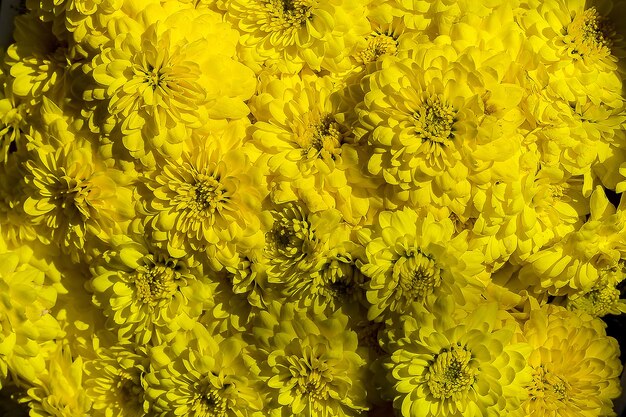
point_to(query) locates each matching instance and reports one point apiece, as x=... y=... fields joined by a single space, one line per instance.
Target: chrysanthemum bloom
x=417 y=117
x=412 y=259
x=604 y=296
x=59 y=391
x=575 y=366
x=73 y=200
x=574 y=264
x=146 y=294
x=114 y=379
x=309 y=362
x=203 y=376
x=298 y=245
x=578 y=47
x=311 y=156
x=26 y=325
x=38 y=61
x=468 y=366
x=287 y=35
x=152 y=83
x=210 y=198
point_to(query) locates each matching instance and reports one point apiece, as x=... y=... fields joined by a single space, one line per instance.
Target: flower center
x=210 y=404
x=155 y=77
x=548 y=386
x=434 y=121
x=312 y=376
x=452 y=373
x=285 y=14
x=604 y=297
x=590 y=34
x=156 y=282
x=210 y=194
x=323 y=136
x=418 y=275
x=378 y=44
x=289 y=237
x=72 y=196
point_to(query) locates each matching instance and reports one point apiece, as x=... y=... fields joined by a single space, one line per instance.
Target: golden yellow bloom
x=146 y=294
x=575 y=366
x=26 y=325
x=309 y=362
x=38 y=61
x=160 y=80
x=578 y=48
x=204 y=376
x=287 y=35
x=312 y=157
x=113 y=380
x=411 y=259
x=209 y=199
x=59 y=390
x=445 y=364
x=73 y=199
x=604 y=297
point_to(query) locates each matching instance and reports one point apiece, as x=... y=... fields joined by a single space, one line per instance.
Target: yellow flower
x=574 y=264
x=27 y=326
x=113 y=380
x=417 y=118
x=155 y=82
x=309 y=362
x=446 y=364
x=39 y=61
x=604 y=297
x=311 y=155
x=300 y=247
x=146 y=294
x=577 y=46
x=287 y=35
x=411 y=259
x=59 y=390
x=73 y=199
x=209 y=199
x=575 y=366
x=203 y=376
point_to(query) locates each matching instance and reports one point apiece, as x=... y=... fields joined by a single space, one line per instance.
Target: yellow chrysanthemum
x=26 y=325
x=287 y=35
x=203 y=376
x=463 y=366
x=575 y=366
x=417 y=116
x=311 y=156
x=114 y=381
x=411 y=259
x=73 y=200
x=59 y=390
x=299 y=247
x=309 y=362
x=146 y=294
x=577 y=46
x=574 y=264
x=604 y=296
x=154 y=82
x=209 y=199
x=39 y=61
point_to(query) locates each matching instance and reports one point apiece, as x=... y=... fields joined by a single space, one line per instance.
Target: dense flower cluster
x=321 y=208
